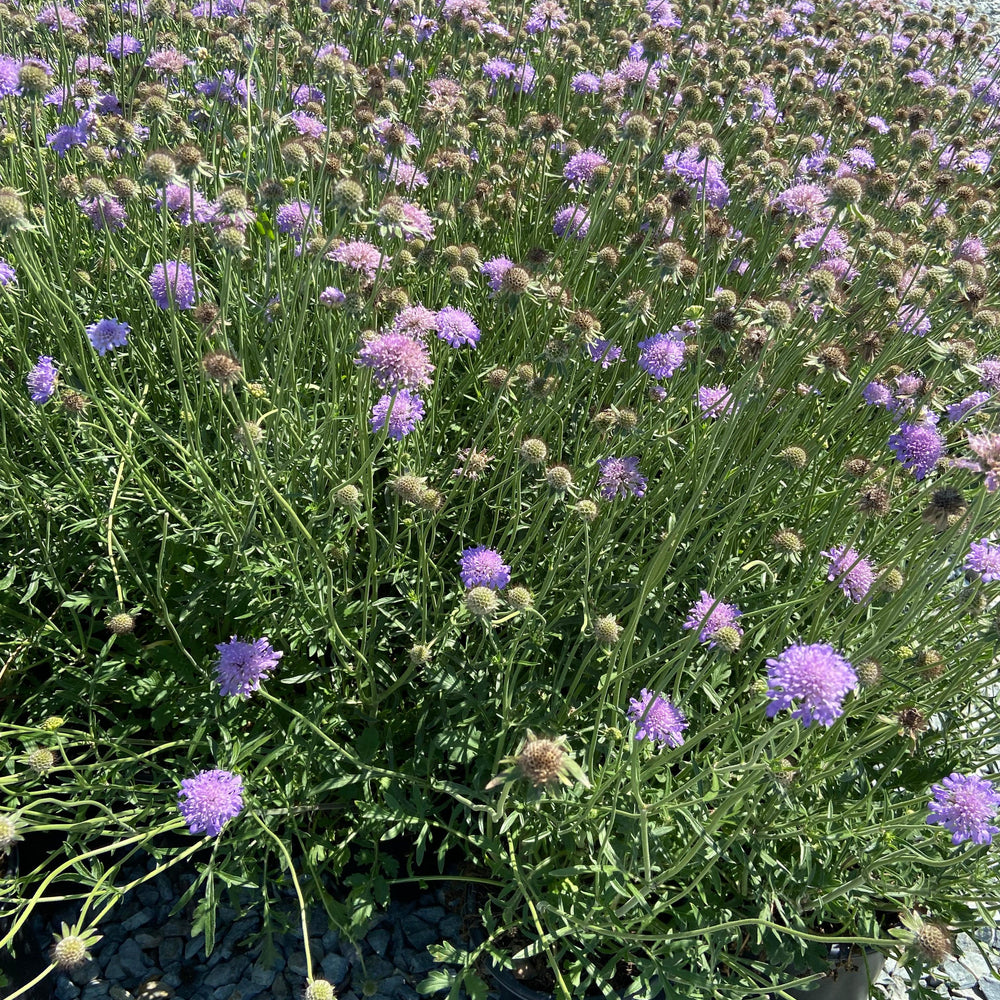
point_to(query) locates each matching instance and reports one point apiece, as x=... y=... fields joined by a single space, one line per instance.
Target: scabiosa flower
x=400 y=412
x=986 y=447
x=397 y=360
x=956 y=411
x=107 y=333
x=877 y=393
x=571 y=221
x=104 y=212
x=964 y=804
x=8 y=276
x=243 y=665
x=483 y=567
x=580 y=167
x=807 y=200
x=360 y=256
x=332 y=297
x=415 y=321
x=545 y=14
x=913 y=320
x=585 y=83
x=715 y=401
x=984 y=559
x=295 y=217
x=123 y=45
x=656 y=719
x=989 y=374
x=918 y=447
x=494 y=269
x=662 y=354
x=602 y=352
x=816 y=676
x=855 y=574
x=457 y=327
x=209 y=800
x=42 y=380
x=703 y=174
x=620 y=477
x=710 y=615
x=172 y=283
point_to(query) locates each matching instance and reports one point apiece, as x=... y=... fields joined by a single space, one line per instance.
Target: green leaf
x=436 y=981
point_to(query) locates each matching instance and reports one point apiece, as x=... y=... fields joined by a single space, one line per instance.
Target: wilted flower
x=542 y=762
x=964 y=804
x=209 y=800
x=656 y=719
x=816 y=677
x=243 y=665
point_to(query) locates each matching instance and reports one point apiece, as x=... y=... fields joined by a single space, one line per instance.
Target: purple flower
x=107 y=333
x=332 y=297
x=603 y=352
x=580 y=167
x=172 y=283
x=295 y=217
x=877 y=393
x=710 y=615
x=104 y=212
x=913 y=320
x=8 y=276
x=585 y=83
x=956 y=411
x=42 y=380
x=483 y=567
x=544 y=15
x=123 y=45
x=400 y=411
x=662 y=354
x=620 y=477
x=816 y=676
x=209 y=800
x=457 y=327
x=984 y=559
x=494 y=269
x=715 y=401
x=415 y=321
x=189 y=206
x=855 y=574
x=573 y=220
x=243 y=665
x=989 y=374
x=918 y=447
x=701 y=173
x=360 y=256
x=66 y=137
x=397 y=360
x=964 y=804
x=808 y=200
x=656 y=719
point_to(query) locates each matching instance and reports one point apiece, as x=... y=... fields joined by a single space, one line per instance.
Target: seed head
x=160 y=168
x=348 y=496
x=559 y=478
x=419 y=655
x=541 y=761
x=482 y=601
x=8 y=833
x=431 y=500
x=409 y=488
x=74 y=403
x=69 y=952
x=794 y=457
x=777 y=314
x=33 y=80
x=873 y=501
x=846 y=190
x=41 y=761
x=222 y=368
x=947 y=506
x=348 y=195
x=911 y=722
x=515 y=281
x=520 y=598
x=319 y=989
x=891 y=582
x=869 y=673
x=586 y=510
x=727 y=638
x=934 y=940
x=930 y=664
x=858 y=466
x=788 y=542
x=607 y=631
x=534 y=451
x=121 y=624
x=497 y=379
x=12 y=212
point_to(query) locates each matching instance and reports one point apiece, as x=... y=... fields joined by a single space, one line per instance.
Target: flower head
x=715 y=401
x=656 y=719
x=620 y=477
x=854 y=574
x=984 y=559
x=573 y=220
x=42 y=380
x=400 y=411
x=209 y=800
x=483 y=567
x=397 y=360
x=107 y=333
x=918 y=446
x=243 y=665
x=456 y=327
x=816 y=676
x=710 y=615
x=964 y=804
x=172 y=283
x=662 y=354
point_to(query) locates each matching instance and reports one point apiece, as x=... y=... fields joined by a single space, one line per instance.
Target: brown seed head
x=541 y=761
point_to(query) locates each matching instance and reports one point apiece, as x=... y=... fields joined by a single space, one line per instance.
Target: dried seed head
x=911 y=722
x=559 y=478
x=533 y=451
x=74 y=403
x=930 y=664
x=223 y=368
x=869 y=673
x=794 y=457
x=873 y=501
x=846 y=190
x=833 y=358
x=520 y=598
x=409 y=488
x=497 y=379
x=858 y=466
x=788 y=542
x=541 y=761
x=515 y=280
x=947 y=506
x=934 y=940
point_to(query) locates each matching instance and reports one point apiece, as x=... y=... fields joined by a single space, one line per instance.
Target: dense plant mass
x=558 y=440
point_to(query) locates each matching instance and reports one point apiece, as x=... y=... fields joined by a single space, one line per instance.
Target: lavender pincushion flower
x=855 y=575
x=715 y=401
x=483 y=567
x=172 y=281
x=656 y=719
x=399 y=411
x=711 y=615
x=397 y=360
x=984 y=559
x=209 y=800
x=42 y=380
x=107 y=333
x=816 y=676
x=8 y=276
x=964 y=804
x=620 y=477
x=918 y=447
x=662 y=354
x=243 y=665
x=571 y=221
x=456 y=327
